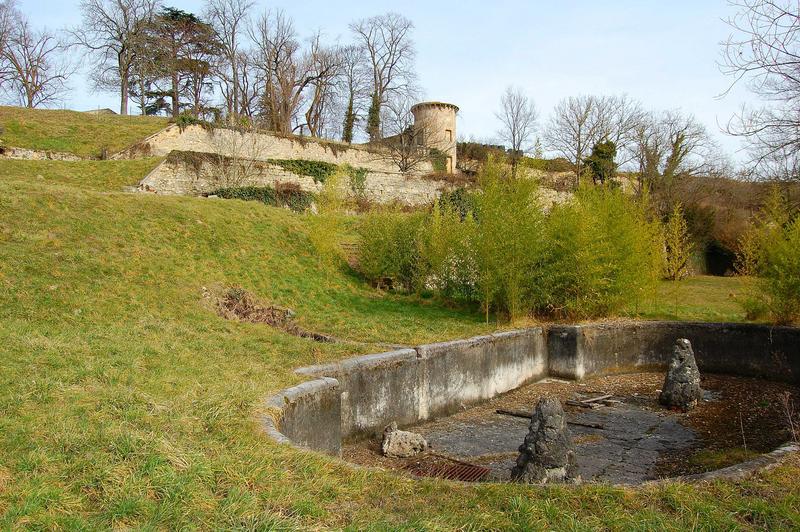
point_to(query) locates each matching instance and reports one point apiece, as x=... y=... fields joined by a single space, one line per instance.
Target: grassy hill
x=73 y=132
x=127 y=401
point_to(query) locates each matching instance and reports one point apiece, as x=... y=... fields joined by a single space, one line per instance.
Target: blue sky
x=663 y=53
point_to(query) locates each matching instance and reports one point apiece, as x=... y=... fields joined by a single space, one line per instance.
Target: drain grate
x=438 y=466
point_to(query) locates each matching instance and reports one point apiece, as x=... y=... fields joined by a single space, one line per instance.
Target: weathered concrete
x=747 y=350
x=309 y=415
x=413 y=385
x=465 y=372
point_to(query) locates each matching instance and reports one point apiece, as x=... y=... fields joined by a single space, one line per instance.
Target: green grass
x=90 y=175
x=74 y=132
x=701 y=298
x=128 y=403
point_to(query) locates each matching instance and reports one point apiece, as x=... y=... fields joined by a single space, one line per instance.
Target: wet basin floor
x=626 y=450
x=639 y=440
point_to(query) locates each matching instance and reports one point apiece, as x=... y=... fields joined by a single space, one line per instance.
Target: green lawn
x=701 y=298
x=126 y=402
x=74 y=132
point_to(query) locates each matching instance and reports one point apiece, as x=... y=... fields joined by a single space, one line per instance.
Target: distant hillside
x=82 y=134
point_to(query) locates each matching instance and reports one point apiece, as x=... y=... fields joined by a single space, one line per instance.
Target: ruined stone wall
x=259 y=146
x=198 y=174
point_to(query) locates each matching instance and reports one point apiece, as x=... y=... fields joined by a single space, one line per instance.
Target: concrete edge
x=744 y=469
x=349 y=365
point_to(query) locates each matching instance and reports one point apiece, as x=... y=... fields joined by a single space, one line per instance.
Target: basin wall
x=358 y=397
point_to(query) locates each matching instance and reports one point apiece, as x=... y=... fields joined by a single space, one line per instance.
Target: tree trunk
x=175 y=97
x=123 y=100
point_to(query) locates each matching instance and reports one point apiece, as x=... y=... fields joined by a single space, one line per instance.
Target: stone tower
x=435 y=127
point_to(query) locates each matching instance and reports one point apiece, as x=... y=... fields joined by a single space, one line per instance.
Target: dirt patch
x=236 y=303
x=639 y=441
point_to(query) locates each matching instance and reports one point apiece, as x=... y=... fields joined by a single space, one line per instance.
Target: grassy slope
x=73 y=132
x=127 y=402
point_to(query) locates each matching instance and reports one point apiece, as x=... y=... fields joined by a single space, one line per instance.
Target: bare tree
x=251 y=84
x=386 y=40
x=518 y=116
x=6 y=14
x=670 y=147
x=574 y=127
x=107 y=32
x=579 y=122
x=353 y=88
x=408 y=141
x=764 y=53
x=323 y=68
x=289 y=73
x=32 y=63
x=620 y=116
x=229 y=20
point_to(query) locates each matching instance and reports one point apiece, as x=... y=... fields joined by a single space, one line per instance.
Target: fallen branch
x=518 y=413
x=596 y=399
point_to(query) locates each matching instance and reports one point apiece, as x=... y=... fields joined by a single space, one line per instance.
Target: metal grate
x=438 y=466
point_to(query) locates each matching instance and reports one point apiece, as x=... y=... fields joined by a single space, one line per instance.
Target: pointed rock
x=682 y=383
x=548 y=454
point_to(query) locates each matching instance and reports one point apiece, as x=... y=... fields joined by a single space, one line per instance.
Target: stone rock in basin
x=401 y=443
x=682 y=383
x=547 y=454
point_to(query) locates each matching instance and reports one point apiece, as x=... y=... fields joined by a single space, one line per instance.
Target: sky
x=662 y=53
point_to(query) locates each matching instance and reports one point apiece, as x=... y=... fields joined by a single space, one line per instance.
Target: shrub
x=389 y=247
x=678 y=247
x=558 y=164
x=507 y=239
x=327 y=224
x=603 y=254
x=445 y=260
x=770 y=250
x=587 y=258
x=460 y=200
x=282 y=195
x=781 y=275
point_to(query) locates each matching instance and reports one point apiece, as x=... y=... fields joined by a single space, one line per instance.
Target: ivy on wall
x=319 y=171
x=285 y=195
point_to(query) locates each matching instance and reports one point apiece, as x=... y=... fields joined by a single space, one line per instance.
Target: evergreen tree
x=601 y=161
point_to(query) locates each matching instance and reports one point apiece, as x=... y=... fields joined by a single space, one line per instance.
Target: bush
x=588 y=258
x=389 y=246
x=460 y=200
x=781 y=275
x=556 y=165
x=283 y=195
x=678 y=247
x=445 y=260
x=507 y=240
x=327 y=224
x=603 y=254
x=771 y=251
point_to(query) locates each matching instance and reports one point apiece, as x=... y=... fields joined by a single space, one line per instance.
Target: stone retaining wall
x=259 y=146
x=359 y=396
x=178 y=174
x=25 y=154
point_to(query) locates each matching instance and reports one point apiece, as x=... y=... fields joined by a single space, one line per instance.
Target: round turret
x=435 y=127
